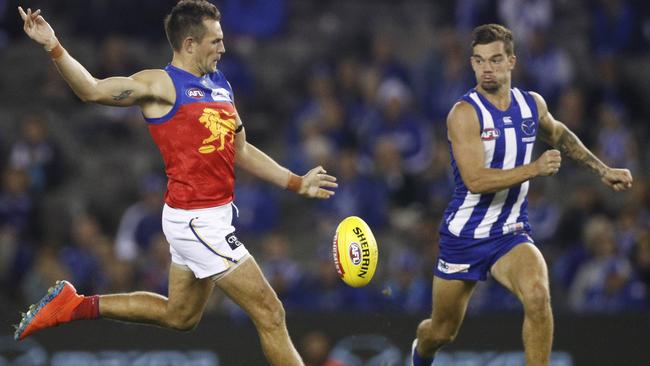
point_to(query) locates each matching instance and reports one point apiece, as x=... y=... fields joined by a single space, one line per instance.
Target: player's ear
x=512 y=60
x=189 y=45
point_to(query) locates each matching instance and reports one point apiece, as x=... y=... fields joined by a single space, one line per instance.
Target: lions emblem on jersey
x=221 y=125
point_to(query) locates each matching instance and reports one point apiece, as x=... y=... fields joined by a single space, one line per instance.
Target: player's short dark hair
x=186 y=20
x=488 y=33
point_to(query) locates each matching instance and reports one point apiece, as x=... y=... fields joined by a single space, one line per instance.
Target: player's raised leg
x=523 y=271
x=181 y=311
x=450 y=299
x=249 y=289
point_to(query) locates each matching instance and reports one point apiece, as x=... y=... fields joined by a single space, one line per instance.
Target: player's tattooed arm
x=558 y=135
x=570 y=145
x=123 y=95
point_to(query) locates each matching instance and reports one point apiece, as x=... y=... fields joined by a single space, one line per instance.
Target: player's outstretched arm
x=315 y=184
x=558 y=135
x=465 y=136
x=117 y=91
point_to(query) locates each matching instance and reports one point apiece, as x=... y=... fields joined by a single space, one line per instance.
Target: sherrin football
x=355 y=252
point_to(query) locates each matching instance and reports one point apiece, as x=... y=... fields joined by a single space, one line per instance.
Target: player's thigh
x=521 y=270
x=187 y=294
x=450 y=299
x=248 y=288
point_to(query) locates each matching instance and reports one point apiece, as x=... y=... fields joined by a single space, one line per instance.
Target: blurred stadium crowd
x=360 y=87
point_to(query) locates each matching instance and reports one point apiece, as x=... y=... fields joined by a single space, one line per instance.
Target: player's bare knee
x=431 y=337
x=183 y=322
x=537 y=300
x=424 y=331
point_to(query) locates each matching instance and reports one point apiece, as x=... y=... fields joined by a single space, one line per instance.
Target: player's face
x=211 y=47
x=492 y=65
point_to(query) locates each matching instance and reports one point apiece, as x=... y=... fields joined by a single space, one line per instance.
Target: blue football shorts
x=471 y=259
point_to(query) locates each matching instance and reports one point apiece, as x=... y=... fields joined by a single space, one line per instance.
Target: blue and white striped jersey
x=508 y=138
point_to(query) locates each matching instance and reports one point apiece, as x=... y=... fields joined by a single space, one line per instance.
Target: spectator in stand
x=141 y=221
x=359 y=194
x=399 y=122
x=153 y=269
x=524 y=16
x=257 y=205
x=407 y=290
x=615 y=142
x=546 y=66
x=613 y=24
x=16 y=204
x=384 y=59
x=38 y=155
x=82 y=256
x=402 y=187
x=258 y=19
x=446 y=76
x=46 y=268
x=606 y=282
x=321 y=289
x=279 y=266
x=572 y=111
x=543 y=215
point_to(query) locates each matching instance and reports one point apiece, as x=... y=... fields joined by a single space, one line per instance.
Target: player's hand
x=617 y=179
x=37 y=28
x=549 y=163
x=315 y=184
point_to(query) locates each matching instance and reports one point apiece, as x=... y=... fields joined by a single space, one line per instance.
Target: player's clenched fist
x=549 y=163
x=618 y=179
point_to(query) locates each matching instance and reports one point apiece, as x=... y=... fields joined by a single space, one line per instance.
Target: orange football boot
x=55 y=308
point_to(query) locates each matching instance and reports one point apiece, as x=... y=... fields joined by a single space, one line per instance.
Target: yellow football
x=355 y=252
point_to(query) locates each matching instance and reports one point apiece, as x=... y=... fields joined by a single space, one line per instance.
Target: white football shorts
x=203 y=240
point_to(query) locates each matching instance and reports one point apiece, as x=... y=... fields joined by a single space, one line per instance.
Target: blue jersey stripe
x=508 y=145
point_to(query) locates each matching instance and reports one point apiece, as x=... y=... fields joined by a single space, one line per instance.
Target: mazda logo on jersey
x=490 y=134
x=528 y=127
x=195 y=93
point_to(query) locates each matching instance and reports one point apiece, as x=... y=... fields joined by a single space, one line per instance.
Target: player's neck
x=499 y=98
x=185 y=64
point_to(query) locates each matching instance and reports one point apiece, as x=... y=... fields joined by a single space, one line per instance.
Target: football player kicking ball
x=189 y=107
x=485 y=228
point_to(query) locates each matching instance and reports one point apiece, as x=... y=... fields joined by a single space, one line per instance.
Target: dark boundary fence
x=224 y=341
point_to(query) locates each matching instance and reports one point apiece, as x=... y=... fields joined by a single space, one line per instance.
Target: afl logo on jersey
x=528 y=127
x=490 y=134
x=195 y=93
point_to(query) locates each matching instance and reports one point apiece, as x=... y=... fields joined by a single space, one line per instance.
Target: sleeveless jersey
x=508 y=138
x=196 y=140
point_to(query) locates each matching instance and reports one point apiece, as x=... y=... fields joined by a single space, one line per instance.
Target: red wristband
x=295 y=182
x=56 y=52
